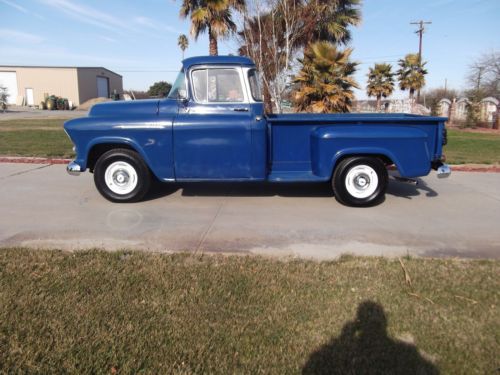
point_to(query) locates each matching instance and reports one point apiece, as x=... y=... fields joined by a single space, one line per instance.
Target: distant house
x=29 y=85
x=389 y=106
x=457 y=110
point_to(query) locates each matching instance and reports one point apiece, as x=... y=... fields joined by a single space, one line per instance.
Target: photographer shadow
x=364 y=347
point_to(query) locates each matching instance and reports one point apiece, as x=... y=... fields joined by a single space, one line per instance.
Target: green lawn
x=46 y=138
x=34 y=137
x=132 y=312
x=465 y=147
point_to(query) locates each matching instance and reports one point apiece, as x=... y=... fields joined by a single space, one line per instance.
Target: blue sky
x=138 y=39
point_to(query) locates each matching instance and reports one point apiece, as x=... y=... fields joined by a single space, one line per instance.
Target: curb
x=475 y=168
x=34 y=160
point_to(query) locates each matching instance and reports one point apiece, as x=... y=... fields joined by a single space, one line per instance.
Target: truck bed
x=306 y=147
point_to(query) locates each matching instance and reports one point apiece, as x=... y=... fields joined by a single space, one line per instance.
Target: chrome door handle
x=242 y=109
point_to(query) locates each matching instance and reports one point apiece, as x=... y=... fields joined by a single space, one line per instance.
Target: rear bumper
x=443 y=170
x=73 y=169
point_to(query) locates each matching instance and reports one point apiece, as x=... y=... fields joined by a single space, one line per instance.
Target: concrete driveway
x=23 y=113
x=41 y=206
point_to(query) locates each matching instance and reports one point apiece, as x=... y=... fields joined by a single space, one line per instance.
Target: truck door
x=212 y=131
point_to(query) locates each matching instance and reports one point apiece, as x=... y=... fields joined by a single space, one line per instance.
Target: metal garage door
x=102 y=87
x=9 y=80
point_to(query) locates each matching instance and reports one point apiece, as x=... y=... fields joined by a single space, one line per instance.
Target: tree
x=325 y=80
x=183 y=43
x=380 y=82
x=4 y=95
x=330 y=20
x=484 y=80
x=411 y=74
x=270 y=37
x=274 y=33
x=484 y=74
x=160 y=89
x=212 y=16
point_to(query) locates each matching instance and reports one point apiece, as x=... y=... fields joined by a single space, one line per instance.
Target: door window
x=217 y=85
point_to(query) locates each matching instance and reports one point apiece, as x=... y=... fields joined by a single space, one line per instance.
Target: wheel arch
x=384 y=155
x=102 y=145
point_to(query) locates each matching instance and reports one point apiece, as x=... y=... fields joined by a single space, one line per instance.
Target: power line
x=148 y=71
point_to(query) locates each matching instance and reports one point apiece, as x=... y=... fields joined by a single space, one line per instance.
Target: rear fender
x=406 y=146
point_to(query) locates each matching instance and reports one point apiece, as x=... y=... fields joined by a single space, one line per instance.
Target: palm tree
x=325 y=80
x=213 y=16
x=333 y=19
x=411 y=74
x=380 y=82
x=183 y=43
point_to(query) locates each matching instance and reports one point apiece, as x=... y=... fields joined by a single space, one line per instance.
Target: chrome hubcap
x=121 y=177
x=361 y=181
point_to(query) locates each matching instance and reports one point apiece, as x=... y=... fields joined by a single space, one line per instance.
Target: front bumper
x=73 y=169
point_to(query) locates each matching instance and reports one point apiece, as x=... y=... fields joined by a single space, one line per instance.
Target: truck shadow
x=263 y=189
x=242 y=189
x=364 y=347
x=407 y=190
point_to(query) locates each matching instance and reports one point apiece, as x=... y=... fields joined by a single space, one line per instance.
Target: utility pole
x=479 y=76
x=420 y=32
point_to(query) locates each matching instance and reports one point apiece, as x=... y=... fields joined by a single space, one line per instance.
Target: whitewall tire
x=121 y=175
x=360 y=181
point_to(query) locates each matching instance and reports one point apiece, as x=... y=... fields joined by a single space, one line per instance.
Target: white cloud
x=61 y=56
x=15 y=6
x=154 y=25
x=20 y=8
x=107 y=39
x=88 y=15
x=103 y=20
x=20 y=36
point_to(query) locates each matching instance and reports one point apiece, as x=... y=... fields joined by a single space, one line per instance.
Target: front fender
x=119 y=141
x=150 y=137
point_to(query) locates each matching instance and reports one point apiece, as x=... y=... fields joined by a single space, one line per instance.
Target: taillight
x=445 y=136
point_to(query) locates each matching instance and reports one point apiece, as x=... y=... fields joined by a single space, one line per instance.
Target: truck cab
x=212 y=127
x=219 y=129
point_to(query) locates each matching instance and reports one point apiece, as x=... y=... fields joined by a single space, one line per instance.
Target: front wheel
x=360 y=181
x=121 y=175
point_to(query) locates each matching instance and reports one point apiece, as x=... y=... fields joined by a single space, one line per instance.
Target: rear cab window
x=254 y=81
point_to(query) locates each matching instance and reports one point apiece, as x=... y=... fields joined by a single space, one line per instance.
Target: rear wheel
x=121 y=175
x=360 y=181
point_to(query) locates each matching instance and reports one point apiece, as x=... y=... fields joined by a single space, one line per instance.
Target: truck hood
x=124 y=108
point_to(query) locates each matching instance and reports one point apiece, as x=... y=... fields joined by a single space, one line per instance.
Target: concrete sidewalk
x=44 y=207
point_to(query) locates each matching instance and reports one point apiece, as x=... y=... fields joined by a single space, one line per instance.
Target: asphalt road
x=43 y=207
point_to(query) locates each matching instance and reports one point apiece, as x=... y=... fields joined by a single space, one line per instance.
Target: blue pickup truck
x=212 y=127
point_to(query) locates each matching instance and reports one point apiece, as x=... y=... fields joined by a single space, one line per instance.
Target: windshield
x=178 y=90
